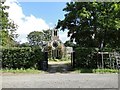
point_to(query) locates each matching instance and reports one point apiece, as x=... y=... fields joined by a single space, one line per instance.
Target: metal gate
x=44 y=63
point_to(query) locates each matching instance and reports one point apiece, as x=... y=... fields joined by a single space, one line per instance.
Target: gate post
x=74 y=64
x=45 y=61
x=73 y=59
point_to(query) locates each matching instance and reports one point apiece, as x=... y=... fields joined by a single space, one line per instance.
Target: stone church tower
x=58 y=47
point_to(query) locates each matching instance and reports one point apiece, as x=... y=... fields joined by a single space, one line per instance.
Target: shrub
x=85 y=57
x=88 y=57
x=24 y=57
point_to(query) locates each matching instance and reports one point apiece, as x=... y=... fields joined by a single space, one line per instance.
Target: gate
x=70 y=51
x=44 y=63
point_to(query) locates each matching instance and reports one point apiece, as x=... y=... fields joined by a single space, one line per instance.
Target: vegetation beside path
x=101 y=71
x=59 y=63
x=31 y=71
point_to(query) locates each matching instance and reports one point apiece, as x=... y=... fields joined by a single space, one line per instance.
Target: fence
x=91 y=58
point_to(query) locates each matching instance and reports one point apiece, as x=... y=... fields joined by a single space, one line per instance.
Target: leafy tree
x=39 y=38
x=35 y=38
x=92 y=24
x=47 y=34
x=6 y=40
x=26 y=44
x=69 y=44
x=8 y=28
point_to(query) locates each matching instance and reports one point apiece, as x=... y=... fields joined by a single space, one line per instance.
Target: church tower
x=55 y=35
x=55 y=47
x=56 y=44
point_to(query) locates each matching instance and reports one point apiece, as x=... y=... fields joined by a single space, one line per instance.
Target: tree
x=8 y=28
x=35 y=38
x=38 y=38
x=47 y=34
x=26 y=44
x=69 y=44
x=92 y=24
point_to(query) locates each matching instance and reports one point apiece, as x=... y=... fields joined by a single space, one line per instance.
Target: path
x=59 y=67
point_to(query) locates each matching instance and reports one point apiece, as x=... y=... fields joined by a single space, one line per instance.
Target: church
x=55 y=47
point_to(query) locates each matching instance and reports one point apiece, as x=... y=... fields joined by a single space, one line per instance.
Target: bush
x=85 y=57
x=108 y=50
x=88 y=57
x=117 y=50
x=24 y=57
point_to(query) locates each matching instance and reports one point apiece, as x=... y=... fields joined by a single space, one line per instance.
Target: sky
x=36 y=16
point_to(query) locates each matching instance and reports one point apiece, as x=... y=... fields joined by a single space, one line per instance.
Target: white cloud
x=27 y=24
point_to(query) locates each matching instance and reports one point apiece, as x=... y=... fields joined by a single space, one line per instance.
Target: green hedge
x=117 y=50
x=85 y=57
x=88 y=57
x=25 y=57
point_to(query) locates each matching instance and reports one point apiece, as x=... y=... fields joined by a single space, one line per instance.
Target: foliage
x=49 y=50
x=89 y=58
x=92 y=24
x=24 y=57
x=69 y=44
x=21 y=70
x=8 y=28
x=84 y=70
x=47 y=34
x=38 y=38
x=26 y=44
x=85 y=58
x=35 y=38
x=117 y=50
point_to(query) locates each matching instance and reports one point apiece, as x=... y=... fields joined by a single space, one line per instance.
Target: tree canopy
x=37 y=38
x=69 y=44
x=92 y=24
x=8 y=27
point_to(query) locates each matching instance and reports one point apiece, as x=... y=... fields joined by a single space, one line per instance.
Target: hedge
x=88 y=57
x=25 y=57
x=85 y=57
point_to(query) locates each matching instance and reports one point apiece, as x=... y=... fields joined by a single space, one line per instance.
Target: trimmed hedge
x=88 y=57
x=85 y=57
x=25 y=57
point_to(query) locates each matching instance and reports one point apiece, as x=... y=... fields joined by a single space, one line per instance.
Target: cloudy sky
x=35 y=16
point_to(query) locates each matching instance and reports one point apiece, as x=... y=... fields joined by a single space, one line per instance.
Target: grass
x=96 y=70
x=76 y=70
x=105 y=70
x=84 y=70
x=20 y=71
x=33 y=71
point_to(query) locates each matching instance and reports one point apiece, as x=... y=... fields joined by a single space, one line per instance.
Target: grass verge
x=76 y=70
x=21 y=71
x=84 y=70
